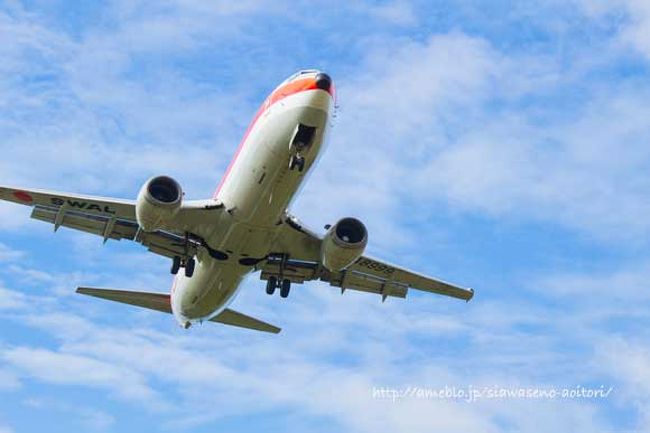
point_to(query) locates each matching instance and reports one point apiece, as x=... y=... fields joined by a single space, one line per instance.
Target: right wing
x=113 y=218
x=161 y=302
x=366 y=274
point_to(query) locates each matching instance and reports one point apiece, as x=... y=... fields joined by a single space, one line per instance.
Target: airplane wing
x=366 y=274
x=161 y=302
x=115 y=219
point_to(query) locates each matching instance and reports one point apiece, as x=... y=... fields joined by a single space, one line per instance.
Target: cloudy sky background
x=501 y=145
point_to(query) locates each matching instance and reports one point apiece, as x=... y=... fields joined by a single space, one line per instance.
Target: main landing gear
x=189 y=265
x=273 y=283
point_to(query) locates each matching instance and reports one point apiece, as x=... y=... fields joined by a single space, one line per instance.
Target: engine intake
x=158 y=201
x=343 y=244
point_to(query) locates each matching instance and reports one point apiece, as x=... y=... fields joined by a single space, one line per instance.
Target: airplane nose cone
x=323 y=81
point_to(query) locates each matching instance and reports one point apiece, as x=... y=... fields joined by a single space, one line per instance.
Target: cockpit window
x=299 y=73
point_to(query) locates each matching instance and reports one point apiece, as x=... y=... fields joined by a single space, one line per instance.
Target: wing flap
x=301 y=271
x=100 y=225
x=159 y=242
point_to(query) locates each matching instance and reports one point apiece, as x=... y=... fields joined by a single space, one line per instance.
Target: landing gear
x=189 y=267
x=176 y=265
x=284 y=289
x=297 y=161
x=302 y=139
x=271 y=285
x=278 y=280
x=189 y=264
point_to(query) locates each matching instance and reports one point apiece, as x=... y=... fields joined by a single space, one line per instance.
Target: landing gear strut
x=297 y=161
x=302 y=139
x=279 y=281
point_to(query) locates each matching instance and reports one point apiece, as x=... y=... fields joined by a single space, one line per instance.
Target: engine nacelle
x=158 y=201
x=343 y=244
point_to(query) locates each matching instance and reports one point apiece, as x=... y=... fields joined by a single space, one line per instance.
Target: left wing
x=113 y=218
x=302 y=246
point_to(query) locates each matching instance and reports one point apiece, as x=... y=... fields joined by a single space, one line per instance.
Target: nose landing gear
x=297 y=161
x=302 y=139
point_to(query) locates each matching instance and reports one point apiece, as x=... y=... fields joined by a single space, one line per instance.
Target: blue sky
x=501 y=145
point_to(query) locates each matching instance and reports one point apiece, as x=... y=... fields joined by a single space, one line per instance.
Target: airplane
x=245 y=227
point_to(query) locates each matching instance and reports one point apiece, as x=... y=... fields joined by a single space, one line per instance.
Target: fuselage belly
x=256 y=190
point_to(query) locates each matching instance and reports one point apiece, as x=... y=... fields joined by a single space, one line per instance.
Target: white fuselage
x=256 y=189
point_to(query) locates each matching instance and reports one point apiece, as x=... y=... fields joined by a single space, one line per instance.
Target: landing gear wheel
x=189 y=267
x=271 y=284
x=284 y=289
x=301 y=164
x=176 y=265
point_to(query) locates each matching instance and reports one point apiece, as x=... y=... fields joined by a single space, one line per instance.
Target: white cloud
x=324 y=365
x=634 y=29
x=628 y=360
x=8 y=254
x=453 y=120
x=625 y=285
x=96 y=419
x=12 y=300
x=8 y=381
x=396 y=12
x=66 y=369
x=89 y=417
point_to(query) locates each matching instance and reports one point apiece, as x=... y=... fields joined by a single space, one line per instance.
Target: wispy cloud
x=67 y=369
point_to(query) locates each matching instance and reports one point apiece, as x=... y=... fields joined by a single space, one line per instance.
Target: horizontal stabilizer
x=235 y=318
x=161 y=302
x=152 y=301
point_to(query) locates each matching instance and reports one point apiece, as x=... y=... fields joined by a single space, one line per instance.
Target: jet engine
x=158 y=202
x=343 y=244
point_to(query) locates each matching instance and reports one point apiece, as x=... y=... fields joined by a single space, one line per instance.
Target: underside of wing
x=404 y=277
x=298 y=260
x=116 y=219
x=118 y=208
